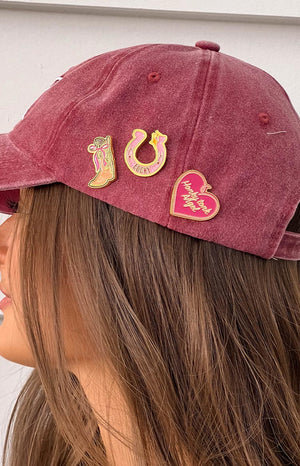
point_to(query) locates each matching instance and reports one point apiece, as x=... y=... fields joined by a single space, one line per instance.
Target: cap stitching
x=90 y=94
x=30 y=158
x=178 y=171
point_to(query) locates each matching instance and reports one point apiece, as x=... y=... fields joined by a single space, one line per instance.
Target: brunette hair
x=204 y=339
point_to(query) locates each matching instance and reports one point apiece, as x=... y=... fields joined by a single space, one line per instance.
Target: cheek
x=13 y=342
x=14 y=345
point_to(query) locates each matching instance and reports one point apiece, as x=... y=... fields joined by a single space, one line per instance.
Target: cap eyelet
x=264 y=118
x=154 y=77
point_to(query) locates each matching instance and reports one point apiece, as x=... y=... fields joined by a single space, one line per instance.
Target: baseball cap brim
x=17 y=170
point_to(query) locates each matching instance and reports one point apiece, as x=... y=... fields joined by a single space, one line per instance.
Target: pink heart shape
x=190 y=199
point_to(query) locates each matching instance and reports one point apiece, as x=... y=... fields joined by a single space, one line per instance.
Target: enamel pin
x=104 y=162
x=158 y=141
x=190 y=199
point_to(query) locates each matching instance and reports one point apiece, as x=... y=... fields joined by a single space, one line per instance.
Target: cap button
x=205 y=44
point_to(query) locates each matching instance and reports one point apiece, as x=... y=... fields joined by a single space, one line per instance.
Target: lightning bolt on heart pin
x=190 y=198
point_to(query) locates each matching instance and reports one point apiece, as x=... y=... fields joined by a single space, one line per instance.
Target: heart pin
x=190 y=199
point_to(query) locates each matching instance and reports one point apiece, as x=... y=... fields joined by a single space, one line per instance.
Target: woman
x=151 y=345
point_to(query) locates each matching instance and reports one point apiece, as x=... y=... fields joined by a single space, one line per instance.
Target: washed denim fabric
x=223 y=117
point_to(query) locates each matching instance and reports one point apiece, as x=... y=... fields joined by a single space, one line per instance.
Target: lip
x=4 y=292
x=5 y=302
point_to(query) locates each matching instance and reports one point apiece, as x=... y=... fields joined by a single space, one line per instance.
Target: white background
x=41 y=40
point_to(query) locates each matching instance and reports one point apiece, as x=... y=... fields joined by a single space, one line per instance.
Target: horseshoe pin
x=158 y=141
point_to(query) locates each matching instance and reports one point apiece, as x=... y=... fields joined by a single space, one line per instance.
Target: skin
x=14 y=345
x=97 y=384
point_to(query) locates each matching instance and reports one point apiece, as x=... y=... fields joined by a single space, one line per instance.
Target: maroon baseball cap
x=187 y=137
